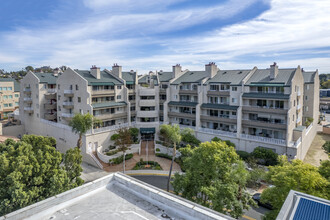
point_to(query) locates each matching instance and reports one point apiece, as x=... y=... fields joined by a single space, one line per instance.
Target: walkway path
x=129 y=164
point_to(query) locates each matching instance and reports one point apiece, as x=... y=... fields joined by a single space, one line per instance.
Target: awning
x=147 y=130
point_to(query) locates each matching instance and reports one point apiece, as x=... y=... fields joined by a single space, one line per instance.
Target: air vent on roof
x=224 y=72
x=240 y=72
x=191 y=73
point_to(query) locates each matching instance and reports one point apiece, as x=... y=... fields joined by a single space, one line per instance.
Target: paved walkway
x=150 y=156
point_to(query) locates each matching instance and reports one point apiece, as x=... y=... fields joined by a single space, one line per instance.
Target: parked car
x=256 y=197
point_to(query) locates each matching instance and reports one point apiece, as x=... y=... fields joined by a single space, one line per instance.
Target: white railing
x=263 y=139
x=111 y=128
x=51 y=90
x=58 y=125
x=265 y=92
x=298 y=119
x=271 y=121
x=217 y=132
x=28 y=108
x=221 y=116
x=309 y=128
x=298 y=93
x=27 y=99
x=298 y=106
x=68 y=92
x=96 y=160
x=67 y=115
x=67 y=103
x=265 y=107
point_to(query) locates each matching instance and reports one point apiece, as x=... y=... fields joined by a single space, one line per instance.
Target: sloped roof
x=144 y=79
x=48 y=78
x=129 y=77
x=16 y=83
x=308 y=77
x=165 y=76
x=263 y=76
x=105 y=78
x=234 y=77
x=191 y=77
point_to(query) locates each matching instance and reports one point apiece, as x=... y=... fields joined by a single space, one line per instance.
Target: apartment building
x=251 y=108
x=9 y=96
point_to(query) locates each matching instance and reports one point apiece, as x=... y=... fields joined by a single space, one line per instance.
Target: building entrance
x=147 y=134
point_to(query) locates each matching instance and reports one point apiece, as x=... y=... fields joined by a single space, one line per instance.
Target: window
x=10 y=104
x=10 y=96
x=4 y=88
x=59 y=98
x=0 y=88
x=79 y=99
x=5 y=97
x=118 y=96
x=16 y=103
x=234 y=88
x=5 y=105
x=214 y=87
x=306 y=97
x=133 y=108
x=292 y=117
x=118 y=87
x=306 y=109
x=59 y=108
x=45 y=86
x=58 y=86
x=294 y=102
x=16 y=95
x=37 y=115
x=307 y=87
x=176 y=97
x=37 y=96
x=10 y=88
x=77 y=87
x=234 y=100
x=81 y=111
x=37 y=86
x=233 y=113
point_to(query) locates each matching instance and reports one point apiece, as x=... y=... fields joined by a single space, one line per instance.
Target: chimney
x=211 y=69
x=116 y=70
x=273 y=71
x=177 y=69
x=56 y=72
x=95 y=71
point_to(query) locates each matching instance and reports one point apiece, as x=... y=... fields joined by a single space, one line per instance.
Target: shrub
x=309 y=121
x=114 y=137
x=111 y=147
x=243 y=154
x=189 y=137
x=164 y=156
x=140 y=165
x=230 y=144
x=157 y=149
x=216 y=139
x=265 y=156
x=120 y=159
x=113 y=152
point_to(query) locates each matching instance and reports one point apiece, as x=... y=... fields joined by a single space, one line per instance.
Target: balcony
x=111 y=116
x=50 y=95
x=188 y=91
x=263 y=139
x=146 y=92
x=182 y=115
x=103 y=92
x=219 y=93
x=262 y=123
x=147 y=114
x=220 y=118
x=28 y=109
x=50 y=106
x=146 y=102
x=28 y=100
x=68 y=105
x=27 y=90
x=68 y=93
x=298 y=93
x=218 y=132
x=298 y=120
x=52 y=91
x=67 y=115
x=264 y=109
x=50 y=116
x=298 y=106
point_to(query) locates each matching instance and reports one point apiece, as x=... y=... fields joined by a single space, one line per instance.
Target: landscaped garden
x=147 y=165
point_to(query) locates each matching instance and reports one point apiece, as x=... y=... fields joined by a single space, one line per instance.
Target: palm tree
x=173 y=135
x=81 y=124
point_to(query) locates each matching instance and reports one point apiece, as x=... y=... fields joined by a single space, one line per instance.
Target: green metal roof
x=219 y=106
x=16 y=83
x=144 y=79
x=48 y=78
x=182 y=103
x=266 y=95
x=191 y=77
x=105 y=79
x=147 y=130
x=164 y=76
x=129 y=77
x=108 y=104
x=229 y=76
x=263 y=76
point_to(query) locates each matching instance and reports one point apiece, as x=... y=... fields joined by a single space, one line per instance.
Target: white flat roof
x=115 y=196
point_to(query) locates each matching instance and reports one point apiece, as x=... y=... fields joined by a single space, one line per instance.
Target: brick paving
x=129 y=164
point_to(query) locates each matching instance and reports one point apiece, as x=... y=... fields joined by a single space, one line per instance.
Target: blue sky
x=151 y=35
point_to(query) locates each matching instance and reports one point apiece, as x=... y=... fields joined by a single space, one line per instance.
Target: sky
x=146 y=35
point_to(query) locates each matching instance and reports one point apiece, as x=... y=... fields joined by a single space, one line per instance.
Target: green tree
x=297 y=176
x=265 y=156
x=324 y=169
x=31 y=171
x=72 y=161
x=29 y=68
x=81 y=124
x=134 y=134
x=325 y=84
x=124 y=140
x=326 y=147
x=188 y=137
x=215 y=177
x=173 y=135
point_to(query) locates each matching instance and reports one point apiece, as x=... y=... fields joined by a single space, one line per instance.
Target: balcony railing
x=51 y=90
x=68 y=92
x=112 y=128
x=270 y=121
x=264 y=139
x=221 y=116
x=27 y=99
x=298 y=106
x=218 y=132
x=67 y=103
x=267 y=92
x=67 y=115
x=298 y=119
x=265 y=107
x=299 y=93
x=28 y=108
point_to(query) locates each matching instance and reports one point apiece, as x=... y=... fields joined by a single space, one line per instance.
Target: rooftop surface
x=309 y=76
x=233 y=77
x=129 y=77
x=105 y=79
x=301 y=206
x=191 y=77
x=115 y=196
x=48 y=78
x=164 y=76
x=263 y=76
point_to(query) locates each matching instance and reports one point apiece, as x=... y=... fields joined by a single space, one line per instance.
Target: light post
x=124 y=161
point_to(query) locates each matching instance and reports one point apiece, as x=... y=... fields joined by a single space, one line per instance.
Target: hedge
x=164 y=155
x=120 y=159
x=243 y=154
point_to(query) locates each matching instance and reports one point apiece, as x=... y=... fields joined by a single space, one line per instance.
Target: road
x=161 y=182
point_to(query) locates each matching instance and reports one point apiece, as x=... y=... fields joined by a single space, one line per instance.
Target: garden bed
x=147 y=165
